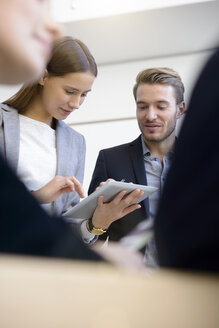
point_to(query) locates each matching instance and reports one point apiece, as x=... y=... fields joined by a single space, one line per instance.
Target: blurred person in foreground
x=187 y=223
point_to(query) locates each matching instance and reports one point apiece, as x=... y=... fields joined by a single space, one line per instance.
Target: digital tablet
x=86 y=207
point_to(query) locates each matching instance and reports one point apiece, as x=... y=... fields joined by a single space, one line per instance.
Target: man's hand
x=106 y=213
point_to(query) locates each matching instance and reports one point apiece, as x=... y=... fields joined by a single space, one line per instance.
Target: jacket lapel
x=11 y=134
x=137 y=159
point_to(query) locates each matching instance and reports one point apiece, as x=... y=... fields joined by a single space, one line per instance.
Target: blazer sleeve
x=73 y=198
x=71 y=149
x=187 y=223
x=26 y=229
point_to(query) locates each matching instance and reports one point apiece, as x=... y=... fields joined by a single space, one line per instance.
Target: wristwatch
x=92 y=229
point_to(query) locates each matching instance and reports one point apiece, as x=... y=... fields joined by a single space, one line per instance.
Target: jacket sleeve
x=73 y=198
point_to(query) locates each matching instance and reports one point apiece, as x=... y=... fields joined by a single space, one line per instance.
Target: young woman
x=47 y=155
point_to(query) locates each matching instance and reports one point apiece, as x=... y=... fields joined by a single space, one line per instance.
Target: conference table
x=42 y=292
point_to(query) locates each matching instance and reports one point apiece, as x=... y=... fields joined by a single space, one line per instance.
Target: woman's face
x=26 y=36
x=63 y=94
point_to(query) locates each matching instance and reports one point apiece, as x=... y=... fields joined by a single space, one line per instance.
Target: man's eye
x=69 y=92
x=162 y=107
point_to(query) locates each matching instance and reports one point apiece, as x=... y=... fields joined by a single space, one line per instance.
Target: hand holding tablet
x=87 y=206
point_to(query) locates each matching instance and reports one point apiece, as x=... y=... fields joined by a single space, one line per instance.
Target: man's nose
x=151 y=114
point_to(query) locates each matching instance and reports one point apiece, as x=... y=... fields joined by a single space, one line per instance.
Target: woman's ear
x=43 y=78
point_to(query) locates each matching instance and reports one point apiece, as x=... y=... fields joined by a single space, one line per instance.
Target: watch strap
x=94 y=230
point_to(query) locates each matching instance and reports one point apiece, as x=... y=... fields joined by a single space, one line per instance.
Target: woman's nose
x=74 y=103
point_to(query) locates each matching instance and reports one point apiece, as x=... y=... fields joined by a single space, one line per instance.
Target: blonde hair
x=161 y=75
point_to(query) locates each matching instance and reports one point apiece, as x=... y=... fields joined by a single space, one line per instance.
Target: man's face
x=157 y=111
x=26 y=36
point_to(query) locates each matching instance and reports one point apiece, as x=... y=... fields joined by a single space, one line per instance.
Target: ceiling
x=150 y=33
x=72 y=10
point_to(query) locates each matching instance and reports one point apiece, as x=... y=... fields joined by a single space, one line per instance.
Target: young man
x=159 y=96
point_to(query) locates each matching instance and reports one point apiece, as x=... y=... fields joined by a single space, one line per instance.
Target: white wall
x=107 y=118
x=7 y=91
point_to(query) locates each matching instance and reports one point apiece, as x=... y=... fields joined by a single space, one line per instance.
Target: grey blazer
x=70 y=147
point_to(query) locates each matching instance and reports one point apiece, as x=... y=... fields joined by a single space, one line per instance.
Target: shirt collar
x=146 y=151
x=144 y=147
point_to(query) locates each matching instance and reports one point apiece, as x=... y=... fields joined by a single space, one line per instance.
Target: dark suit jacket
x=187 y=223
x=26 y=229
x=122 y=162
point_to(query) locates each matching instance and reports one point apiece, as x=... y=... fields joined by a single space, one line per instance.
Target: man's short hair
x=161 y=75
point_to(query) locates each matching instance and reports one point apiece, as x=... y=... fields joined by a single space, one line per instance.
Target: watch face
x=98 y=231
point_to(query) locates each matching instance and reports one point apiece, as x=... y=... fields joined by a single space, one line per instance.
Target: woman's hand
x=106 y=213
x=56 y=187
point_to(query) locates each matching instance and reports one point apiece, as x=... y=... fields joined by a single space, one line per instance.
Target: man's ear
x=180 y=109
x=43 y=78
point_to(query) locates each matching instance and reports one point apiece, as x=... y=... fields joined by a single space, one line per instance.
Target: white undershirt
x=37 y=156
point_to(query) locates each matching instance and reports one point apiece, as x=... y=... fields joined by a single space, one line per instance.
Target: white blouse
x=37 y=155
